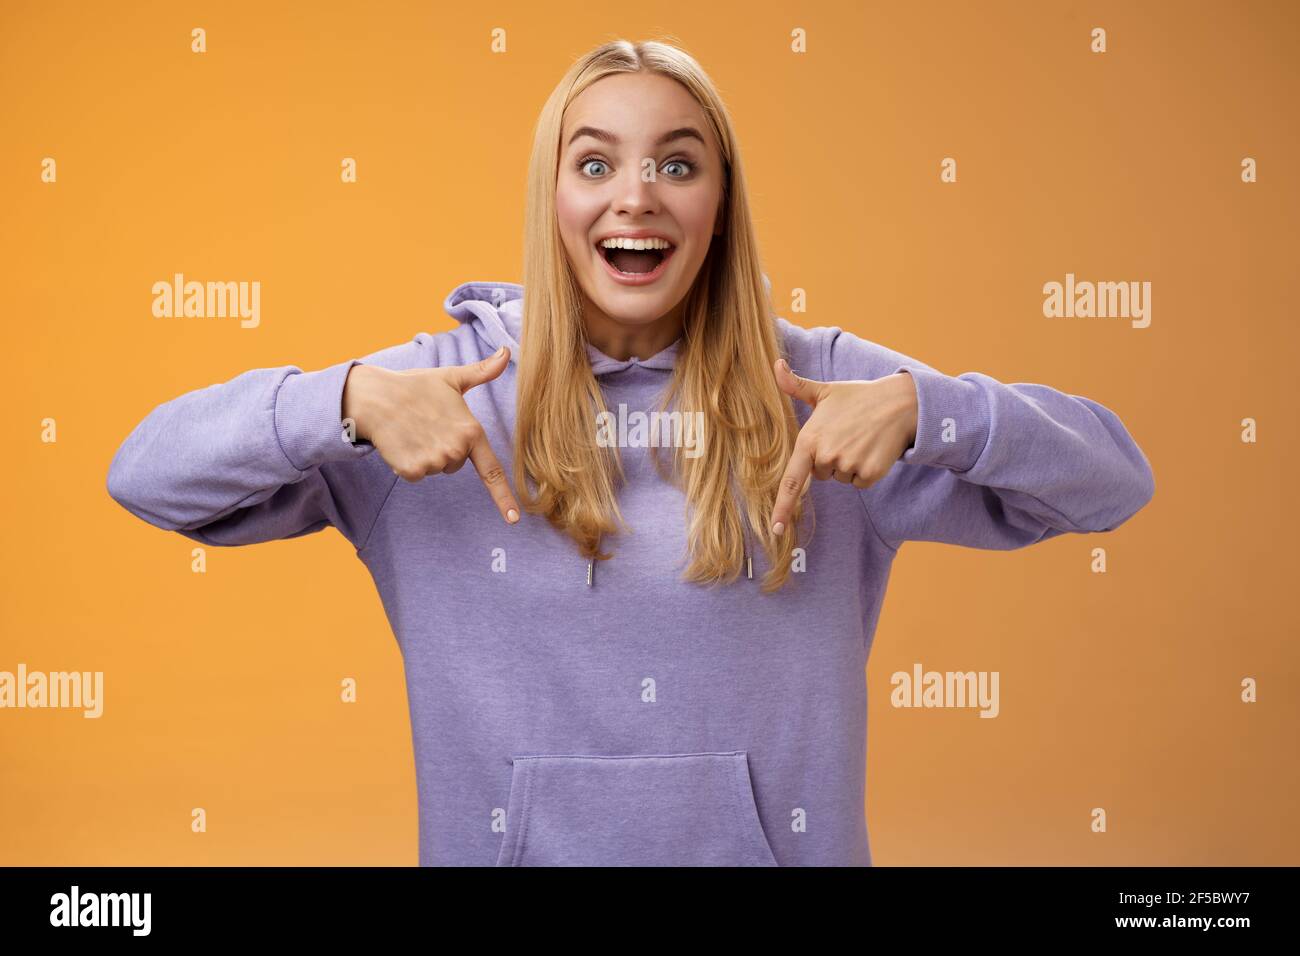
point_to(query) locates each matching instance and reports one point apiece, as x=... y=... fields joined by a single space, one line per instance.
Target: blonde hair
x=723 y=366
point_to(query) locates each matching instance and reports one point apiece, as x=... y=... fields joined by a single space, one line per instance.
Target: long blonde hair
x=723 y=366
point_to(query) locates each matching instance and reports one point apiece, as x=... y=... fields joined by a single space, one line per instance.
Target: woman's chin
x=636 y=308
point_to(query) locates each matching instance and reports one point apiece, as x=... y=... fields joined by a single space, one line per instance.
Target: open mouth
x=635 y=266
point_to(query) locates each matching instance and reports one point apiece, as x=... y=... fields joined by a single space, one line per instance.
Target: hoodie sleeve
x=994 y=465
x=261 y=457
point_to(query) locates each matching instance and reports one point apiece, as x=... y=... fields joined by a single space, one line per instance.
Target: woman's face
x=629 y=163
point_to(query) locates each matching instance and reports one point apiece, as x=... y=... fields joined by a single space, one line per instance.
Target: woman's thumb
x=484 y=370
x=804 y=389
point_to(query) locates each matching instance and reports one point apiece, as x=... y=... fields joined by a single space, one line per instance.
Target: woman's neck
x=621 y=341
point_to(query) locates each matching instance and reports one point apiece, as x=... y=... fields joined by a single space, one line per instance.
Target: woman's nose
x=635 y=194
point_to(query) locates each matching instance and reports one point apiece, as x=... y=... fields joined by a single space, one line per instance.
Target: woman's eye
x=587 y=162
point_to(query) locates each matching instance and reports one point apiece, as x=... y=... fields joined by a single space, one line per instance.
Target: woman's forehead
x=662 y=106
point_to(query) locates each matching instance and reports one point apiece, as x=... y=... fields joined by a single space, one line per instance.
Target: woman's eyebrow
x=682 y=132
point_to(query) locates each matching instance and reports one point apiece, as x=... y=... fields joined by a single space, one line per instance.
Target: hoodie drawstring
x=749 y=558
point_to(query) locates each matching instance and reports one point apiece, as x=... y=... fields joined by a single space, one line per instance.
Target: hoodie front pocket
x=636 y=810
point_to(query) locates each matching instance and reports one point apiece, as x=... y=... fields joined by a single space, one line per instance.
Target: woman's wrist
x=357 y=390
x=910 y=408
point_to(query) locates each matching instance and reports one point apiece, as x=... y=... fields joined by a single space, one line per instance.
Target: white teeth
x=621 y=243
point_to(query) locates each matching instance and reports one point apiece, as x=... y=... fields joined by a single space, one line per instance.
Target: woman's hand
x=420 y=425
x=855 y=434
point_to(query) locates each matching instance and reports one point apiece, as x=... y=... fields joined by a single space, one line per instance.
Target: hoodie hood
x=495 y=311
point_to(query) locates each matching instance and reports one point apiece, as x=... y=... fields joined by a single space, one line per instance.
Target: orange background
x=1119 y=690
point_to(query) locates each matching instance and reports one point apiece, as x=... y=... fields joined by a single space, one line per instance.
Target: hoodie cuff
x=952 y=420
x=309 y=418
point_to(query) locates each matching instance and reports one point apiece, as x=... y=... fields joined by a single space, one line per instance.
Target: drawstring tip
x=591 y=567
x=749 y=567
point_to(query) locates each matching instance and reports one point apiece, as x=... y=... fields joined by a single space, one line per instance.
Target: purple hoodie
x=635 y=719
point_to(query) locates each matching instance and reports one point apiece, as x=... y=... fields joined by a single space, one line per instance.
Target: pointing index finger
x=494 y=476
x=797 y=472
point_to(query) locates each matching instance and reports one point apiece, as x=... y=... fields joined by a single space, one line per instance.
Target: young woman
x=619 y=652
